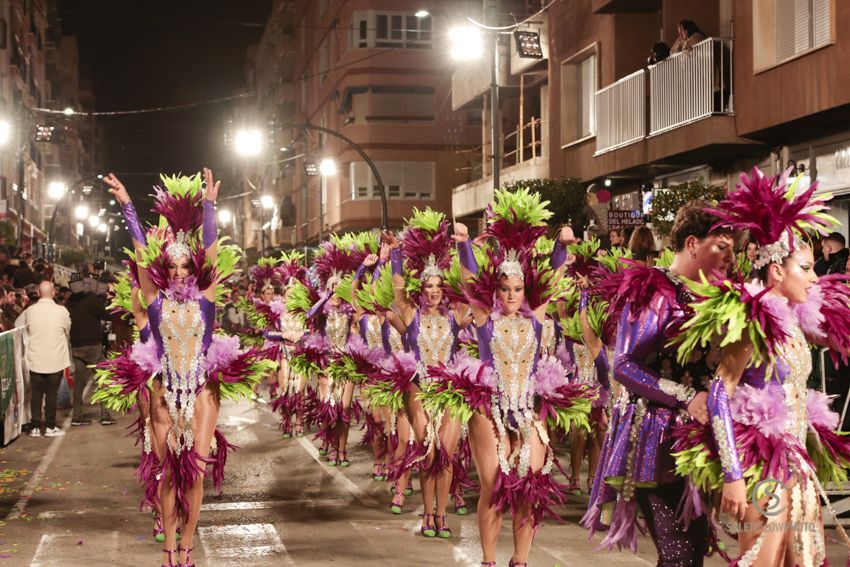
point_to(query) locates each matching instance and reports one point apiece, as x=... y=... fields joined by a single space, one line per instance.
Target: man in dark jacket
x=88 y=310
x=24 y=275
x=835 y=253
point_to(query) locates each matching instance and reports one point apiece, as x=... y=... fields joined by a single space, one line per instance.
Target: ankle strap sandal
x=171 y=553
x=188 y=551
x=427 y=529
x=513 y=563
x=443 y=531
x=488 y=564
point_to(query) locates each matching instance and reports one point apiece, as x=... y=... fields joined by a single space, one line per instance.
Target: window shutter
x=821 y=29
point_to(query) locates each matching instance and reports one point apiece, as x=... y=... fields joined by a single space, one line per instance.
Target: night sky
x=163 y=53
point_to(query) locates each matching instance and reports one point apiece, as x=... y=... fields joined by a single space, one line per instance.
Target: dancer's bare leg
x=160 y=424
x=377 y=440
x=419 y=421
x=302 y=386
x=595 y=440
x=344 y=426
x=483 y=441
x=776 y=547
x=577 y=451
x=523 y=526
x=449 y=438
x=207 y=406
x=403 y=429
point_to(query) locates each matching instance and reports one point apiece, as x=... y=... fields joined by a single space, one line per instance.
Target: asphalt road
x=73 y=502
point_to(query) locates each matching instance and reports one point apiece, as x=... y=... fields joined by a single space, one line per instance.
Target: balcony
x=621 y=113
x=616 y=6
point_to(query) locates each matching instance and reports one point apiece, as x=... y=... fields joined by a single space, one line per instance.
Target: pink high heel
x=170 y=553
x=188 y=556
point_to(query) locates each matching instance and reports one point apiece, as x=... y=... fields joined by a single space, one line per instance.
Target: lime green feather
x=522 y=205
x=577 y=415
x=182 y=185
x=665 y=260
x=449 y=400
x=612 y=261
x=383 y=395
x=298 y=299
x=428 y=220
x=244 y=389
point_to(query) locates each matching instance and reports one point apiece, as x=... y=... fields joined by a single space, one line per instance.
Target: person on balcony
x=659 y=52
x=688 y=36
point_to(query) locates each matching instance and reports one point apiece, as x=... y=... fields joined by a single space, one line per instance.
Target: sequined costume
x=636 y=468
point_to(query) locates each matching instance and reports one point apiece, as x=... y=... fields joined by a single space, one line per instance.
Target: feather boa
x=531 y=497
x=825 y=317
x=637 y=286
x=462 y=387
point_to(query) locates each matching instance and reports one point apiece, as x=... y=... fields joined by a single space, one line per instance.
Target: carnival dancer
x=179 y=270
x=432 y=334
x=501 y=395
x=769 y=439
x=650 y=305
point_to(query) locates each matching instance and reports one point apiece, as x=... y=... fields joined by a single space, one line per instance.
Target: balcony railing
x=691 y=85
x=621 y=113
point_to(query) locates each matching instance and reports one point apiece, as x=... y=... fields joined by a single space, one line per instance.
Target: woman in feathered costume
x=769 y=439
x=190 y=371
x=432 y=331
x=511 y=394
x=636 y=469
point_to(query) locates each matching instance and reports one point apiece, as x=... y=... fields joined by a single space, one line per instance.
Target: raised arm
x=368 y=262
x=468 y=269
x=407 y=309
x=558 y=261
x=209 y=230
x=137 y=233
x=594 y=344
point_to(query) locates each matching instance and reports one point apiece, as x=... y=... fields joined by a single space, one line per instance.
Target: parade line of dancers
x=682 y=382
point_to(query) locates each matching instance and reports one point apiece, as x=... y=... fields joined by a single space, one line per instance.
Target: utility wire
x=515 y=26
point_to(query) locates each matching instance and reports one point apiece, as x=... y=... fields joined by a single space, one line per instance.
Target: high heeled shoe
x=343 y=460
x=188 y=562
x=332 y=458
x=398 y=502
x=513 y=563
x=378 y=472
x=460 y=505
x=158 y=530
x=443 y=530
x=427 y=529
x=171 y=553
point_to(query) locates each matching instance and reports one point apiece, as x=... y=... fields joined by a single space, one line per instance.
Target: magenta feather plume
x=334 y=259
x=263 y=273
x=809 y=314
x=760 y=206
x=836 y=314
x=184 y=213
x=771 y=312
x=549 y=376
x=468 y=376
x=535 y=494
x=514 y=235
x=417 y=244
x=125 y=372
x=218 y=460
x=636 y=285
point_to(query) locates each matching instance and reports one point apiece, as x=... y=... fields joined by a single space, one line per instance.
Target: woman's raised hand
x=461 y=233
x=370 y=260
x=117 y=188
x=566 y=236
x=211 y=193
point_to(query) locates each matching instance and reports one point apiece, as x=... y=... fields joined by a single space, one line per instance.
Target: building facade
x=378 y=74
x=762 y=89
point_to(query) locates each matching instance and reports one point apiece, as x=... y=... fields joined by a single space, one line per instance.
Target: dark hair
x=837 y=237
x=690 y=27
x=642 y=244
x=660 y=52
x=694 y=220
x=619 y=231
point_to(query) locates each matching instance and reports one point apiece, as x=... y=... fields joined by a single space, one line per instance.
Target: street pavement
x=73 y=502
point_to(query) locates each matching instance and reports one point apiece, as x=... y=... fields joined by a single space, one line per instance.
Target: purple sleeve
x=603 y=368
x=584 y=298
x=210 y=231
x=273 y=335
x=466 y=256
x=133 y=224
x=636 y=341
x=720 y=418
x=376 y=273
x=559 y=255
x=319 y=304
x=359 y=273
x=396 y=262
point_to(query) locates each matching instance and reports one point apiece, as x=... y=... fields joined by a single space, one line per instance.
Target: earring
x=693 y=254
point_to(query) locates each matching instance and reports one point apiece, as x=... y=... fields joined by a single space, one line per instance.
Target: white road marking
x=54 y=550
x=568 y=557
x=21 y=505
x=243 y=541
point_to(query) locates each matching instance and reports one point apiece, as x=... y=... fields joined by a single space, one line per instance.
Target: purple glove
x=359 y=273
x=210 y=232
x=319 y=304
x=376 y=273
x=396 y=262
x=559 y=255
x=584 y=299
x=720 y=418
x=466 y=256
x=133 y=224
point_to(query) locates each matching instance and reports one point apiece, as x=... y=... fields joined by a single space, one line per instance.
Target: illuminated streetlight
x=101 y=227
x=249 y=142
x=68 y=111
x=422 y=14
x=465 y=43
x=225 y=216
x=111 y=201
x=56 y=190
x=267 y=202
x=327 y=167
x=94 y=221
x=81 y=212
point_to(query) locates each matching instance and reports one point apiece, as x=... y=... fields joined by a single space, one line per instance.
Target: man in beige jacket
x=47 y=329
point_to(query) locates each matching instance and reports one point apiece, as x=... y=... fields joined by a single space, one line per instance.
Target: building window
x=578 y=89
x=402 y=180
x=390 y=29
x=786 y=29
x=386 y=103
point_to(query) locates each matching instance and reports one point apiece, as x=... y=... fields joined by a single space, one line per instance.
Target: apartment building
x=377 y=73
x=764 y=88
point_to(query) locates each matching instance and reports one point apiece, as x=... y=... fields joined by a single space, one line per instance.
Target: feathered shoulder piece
x=426 y=243
x=825 y=316
x=265 y=273
x=122 y=300
x=340 y=255
x=726 y=310
x=636 y=285
x=179 y=201
x=778 y=216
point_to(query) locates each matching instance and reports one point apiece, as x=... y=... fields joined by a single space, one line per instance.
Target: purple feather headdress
x=427 y=252
x=183 y=212
x=776 y=216
x=333 y=262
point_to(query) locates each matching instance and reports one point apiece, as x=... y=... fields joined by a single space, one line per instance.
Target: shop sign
x=625 y=219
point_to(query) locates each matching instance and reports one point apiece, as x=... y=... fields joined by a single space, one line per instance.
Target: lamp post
x=266 y=202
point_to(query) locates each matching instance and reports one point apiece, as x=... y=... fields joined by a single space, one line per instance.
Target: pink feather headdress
x=777 y=215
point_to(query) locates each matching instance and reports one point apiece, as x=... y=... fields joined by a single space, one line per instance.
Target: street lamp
x=422 y=14
x=101 y=227
x=466 y=43
x=225 y=216
x=5 y=132
x=94 y=221
x=249 y=142
x=327 y=167
x=56 y=190
x=81 y=212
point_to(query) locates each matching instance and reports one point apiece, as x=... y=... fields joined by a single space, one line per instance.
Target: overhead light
x=5 y=132
x=607 y=183
x=43 y=133
x=267 y=202
x=81 y=212
x=87 y=189
x=56 y=190
x=311 y=168
x=111 y=201
x=327 y=167
x=249 y=142
x=528 y=44
x=101 y=227
x=94 y=221
x=465 y=43
x=422 y=14
x=100 y=176
x=284 y=149
x=225 y=216
x=68 y=111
